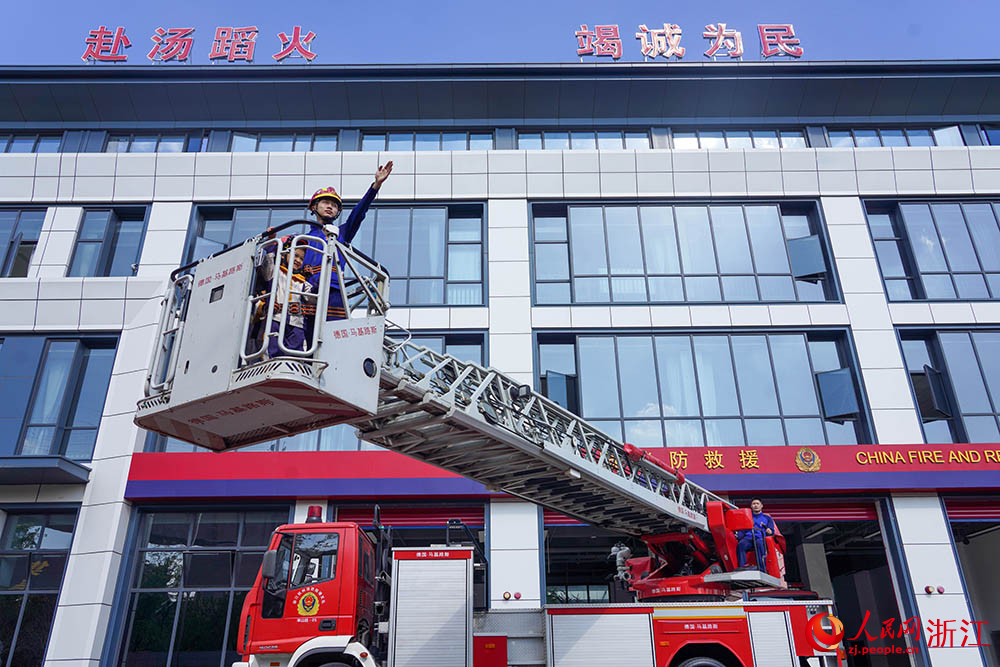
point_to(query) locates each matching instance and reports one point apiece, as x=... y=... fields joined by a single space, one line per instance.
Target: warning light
x=315 y=514
x=517 y=596
x=506 y=595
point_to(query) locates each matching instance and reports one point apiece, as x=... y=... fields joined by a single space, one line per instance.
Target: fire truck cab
x=313 y=600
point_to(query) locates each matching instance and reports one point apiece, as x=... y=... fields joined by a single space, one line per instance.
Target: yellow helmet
x=327 y=192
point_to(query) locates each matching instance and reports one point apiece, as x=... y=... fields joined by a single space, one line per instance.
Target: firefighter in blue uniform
x=753 y=540
x=326 y=205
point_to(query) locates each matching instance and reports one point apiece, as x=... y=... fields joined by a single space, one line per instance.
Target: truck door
x=303 y=601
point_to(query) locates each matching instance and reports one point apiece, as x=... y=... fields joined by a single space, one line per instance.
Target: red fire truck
x=334 y=594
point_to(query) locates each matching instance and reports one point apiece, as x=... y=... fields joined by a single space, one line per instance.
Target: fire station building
x=787 y=275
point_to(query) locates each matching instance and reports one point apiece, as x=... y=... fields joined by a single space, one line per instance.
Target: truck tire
x=701 y=662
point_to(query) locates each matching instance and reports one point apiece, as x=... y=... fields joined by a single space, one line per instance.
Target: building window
x=219 y=227
x=33 y=552
x=155 y=142
x=466 y=347
x=675 y=254
x=30 y=143
x=68 y=399
x=739 y=139
x=192 y=571
x=873 y=137
x=992 y=135
x=109 y=243
x=434 y=254
x=955 y=377
x=709 y=389
x=584 y=139
x=427 y=141
x=250 y=142
x=19 y=231
x=937 y=251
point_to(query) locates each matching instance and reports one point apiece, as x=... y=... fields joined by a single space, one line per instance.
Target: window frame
x=852 y=130
x=840 y=336
x=623 y=136
x=120 y=628
x=454 y=211
x=190 y=138
x=259 y=135
x=930 y=336
x=117 y=217
x=791 y=207
x=373 y=133
x=7 y=141
x=891 y=206
x=7 y=258
x=779 y=132
x=76 y=375
x=48 y=510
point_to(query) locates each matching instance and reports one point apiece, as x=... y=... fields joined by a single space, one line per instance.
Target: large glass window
x=910 y=136
x=109 y=243
x=433 y=253
x=711 y=389
x=30 y=143
x=577 y=139
x=738 y=139
x=33 y=552
x=426 y=141
x=19 y=232
x=191 y=572
x=684 y=253
x=219 y=227
x=249 y=142
x=466 y=347
x=157 y=142
x=68 y=399
x=955 y=377
x=938 y=251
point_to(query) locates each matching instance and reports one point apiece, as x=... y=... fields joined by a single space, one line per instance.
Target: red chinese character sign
x=730 y=40
x=603 y=40
x=171 y=44
x=666 y=42
x=234 y=44
x=778 y=40
x=106 y=46
x=296 y=44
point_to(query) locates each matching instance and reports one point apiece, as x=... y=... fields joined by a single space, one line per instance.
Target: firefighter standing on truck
x=326 y=205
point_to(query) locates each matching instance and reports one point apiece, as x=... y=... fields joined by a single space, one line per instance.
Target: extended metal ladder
x=478 y=423
x=209 y=386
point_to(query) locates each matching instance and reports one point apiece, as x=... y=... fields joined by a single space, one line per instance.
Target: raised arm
x=350 y=228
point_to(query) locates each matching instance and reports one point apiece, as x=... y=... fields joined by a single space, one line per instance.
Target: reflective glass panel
x=583 y=140
x=716 y=382
x=765 y=139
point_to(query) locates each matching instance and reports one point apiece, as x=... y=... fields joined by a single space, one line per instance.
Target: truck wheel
x=701 y=662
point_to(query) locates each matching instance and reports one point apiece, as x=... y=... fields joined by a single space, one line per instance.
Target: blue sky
x=449 y=31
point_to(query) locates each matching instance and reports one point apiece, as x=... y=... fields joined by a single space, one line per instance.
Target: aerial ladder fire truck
x=333 y=594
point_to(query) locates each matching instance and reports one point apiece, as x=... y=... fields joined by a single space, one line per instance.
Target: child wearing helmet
x=326 y=205
x=291 y=299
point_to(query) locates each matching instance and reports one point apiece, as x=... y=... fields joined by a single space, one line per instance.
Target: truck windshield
x=314 y=559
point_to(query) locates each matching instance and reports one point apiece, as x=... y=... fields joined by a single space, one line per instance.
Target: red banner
x=831 y=459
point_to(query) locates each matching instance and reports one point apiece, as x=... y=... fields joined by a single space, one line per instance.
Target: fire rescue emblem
x=807 y=460
x=308 y=604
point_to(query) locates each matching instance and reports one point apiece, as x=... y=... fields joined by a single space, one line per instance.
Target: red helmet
x=327 y=192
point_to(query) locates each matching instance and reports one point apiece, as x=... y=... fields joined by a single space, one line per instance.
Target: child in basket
x=287 y=302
